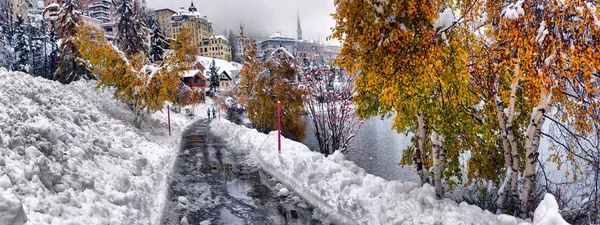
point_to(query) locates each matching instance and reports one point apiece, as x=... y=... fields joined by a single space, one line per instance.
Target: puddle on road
x=237 y=192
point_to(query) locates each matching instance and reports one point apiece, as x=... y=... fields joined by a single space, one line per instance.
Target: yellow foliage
x=144 y=87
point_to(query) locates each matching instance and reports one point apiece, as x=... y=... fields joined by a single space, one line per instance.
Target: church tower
x=192 y=8
x=299 y=28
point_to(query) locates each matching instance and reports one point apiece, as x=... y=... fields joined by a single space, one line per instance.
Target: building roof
x=184 y=12
x=282 y=49
x=53 y=5
x=277 y=35
x=165 y=9
x=223 y=65
x=219 y=37
x=191 y=73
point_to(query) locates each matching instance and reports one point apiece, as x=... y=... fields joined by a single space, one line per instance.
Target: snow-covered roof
x=53 y=5
x=190 y=73
x=184 y=12
x=282 y=49
x=224 y=65
x=277 y=35
x=219 y=37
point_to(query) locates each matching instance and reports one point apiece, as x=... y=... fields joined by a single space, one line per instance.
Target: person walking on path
x=214 y=113
x=208 y=112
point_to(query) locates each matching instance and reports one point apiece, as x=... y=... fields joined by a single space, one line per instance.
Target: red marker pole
x=169 y=118
x=278 y=127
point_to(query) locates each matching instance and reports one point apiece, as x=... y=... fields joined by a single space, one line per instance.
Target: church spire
x=299 y=28
x=192 y=8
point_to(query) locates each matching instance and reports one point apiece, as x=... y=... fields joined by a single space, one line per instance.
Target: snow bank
x=11 y=209
x=70 y=154
x=547 y=212
x=343 y=193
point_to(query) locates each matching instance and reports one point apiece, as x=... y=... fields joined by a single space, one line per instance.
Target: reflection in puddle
x=219 y=185
x=227 y=217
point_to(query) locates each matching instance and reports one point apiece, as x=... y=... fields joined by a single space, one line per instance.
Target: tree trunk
x=514 y=185
x=439 y=163
x=505 y=188
x=532 y=141
x=420 y=151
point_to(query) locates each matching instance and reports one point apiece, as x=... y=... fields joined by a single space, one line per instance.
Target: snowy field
x=342 y=193
x=69 y=154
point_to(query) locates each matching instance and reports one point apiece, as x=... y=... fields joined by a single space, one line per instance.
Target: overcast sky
x=261 y=18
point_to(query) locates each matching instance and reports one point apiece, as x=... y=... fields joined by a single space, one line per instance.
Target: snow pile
x=11 y=209
x=514 y=10
x=70 y=154
x=343 y=193
x=547 y=212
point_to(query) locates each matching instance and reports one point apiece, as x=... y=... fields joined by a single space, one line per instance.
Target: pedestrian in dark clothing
x=208 y=112
x=214 y=113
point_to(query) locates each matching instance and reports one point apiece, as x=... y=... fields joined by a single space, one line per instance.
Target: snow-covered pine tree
x=37 y=33
x=131 y=28
x=71 y=66
x=214 y=76
x=52 y=51
x=146 y=14
x=231 y=37
x=7 y=56
x=158 y=43
x=21 y=45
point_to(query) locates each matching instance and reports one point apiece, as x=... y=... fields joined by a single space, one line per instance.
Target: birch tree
x=412 y=62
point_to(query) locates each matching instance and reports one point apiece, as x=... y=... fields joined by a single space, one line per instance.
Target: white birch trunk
x=439 y=163
x=514 y=187
x=504 y=190
x=420 y=151
x=532 y=141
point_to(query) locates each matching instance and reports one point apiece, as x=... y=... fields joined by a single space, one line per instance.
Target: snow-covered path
x=215 y=185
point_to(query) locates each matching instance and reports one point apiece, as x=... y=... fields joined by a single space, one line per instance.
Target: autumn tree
x=250 y=72
x=145 y=88
x=531 y=49
x=412 y=62
x=276 y=85
x=71 y=66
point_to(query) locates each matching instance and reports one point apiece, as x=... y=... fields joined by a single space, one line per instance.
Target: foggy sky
x=261 y=18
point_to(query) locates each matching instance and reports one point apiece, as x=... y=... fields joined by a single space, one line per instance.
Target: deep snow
x=69 y=154
x=343 y=193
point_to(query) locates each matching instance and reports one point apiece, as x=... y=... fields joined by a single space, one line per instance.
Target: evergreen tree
x=158 y=43
x=52 y=51
x=214 y=76
x=37 y=43
x=147 y=14
x=71 y=66
x=233 y=47
x=131 y=28
x=21 y=45
x=7 y=56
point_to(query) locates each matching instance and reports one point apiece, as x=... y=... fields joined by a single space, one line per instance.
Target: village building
x=163 y=18
x=211 y=45
x=227 y=71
